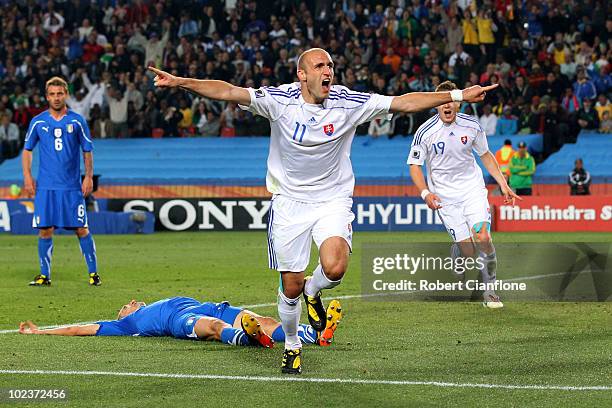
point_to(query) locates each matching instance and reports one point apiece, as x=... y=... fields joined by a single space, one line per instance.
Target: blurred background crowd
x=551 y=59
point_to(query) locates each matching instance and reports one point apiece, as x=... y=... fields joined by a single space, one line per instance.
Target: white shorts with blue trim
x=293 y=225
x=460 y=218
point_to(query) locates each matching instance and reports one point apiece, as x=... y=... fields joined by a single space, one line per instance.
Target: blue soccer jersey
x=60 y=144
x=167 y=317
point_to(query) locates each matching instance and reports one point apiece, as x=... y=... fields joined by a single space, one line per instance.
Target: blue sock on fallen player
x=88 y=248
x=45 y=252
x=306 y=333
x=235 y=337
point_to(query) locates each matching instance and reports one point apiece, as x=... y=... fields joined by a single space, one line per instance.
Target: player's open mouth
x=325 y=84
x=447 y=112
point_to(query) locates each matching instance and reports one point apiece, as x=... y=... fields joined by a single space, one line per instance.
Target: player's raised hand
x=164 y=79
x=29 y=185
x=509 y=196
x=87 y=186
x=477 y=93
x=27 y=328
x=433 y=201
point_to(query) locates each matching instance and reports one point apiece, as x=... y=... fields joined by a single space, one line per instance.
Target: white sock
x=318 y=282
x=289 y=311
x=487 y=272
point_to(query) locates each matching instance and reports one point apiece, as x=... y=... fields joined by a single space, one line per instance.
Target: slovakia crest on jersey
x=329 y=129
x=464 y=139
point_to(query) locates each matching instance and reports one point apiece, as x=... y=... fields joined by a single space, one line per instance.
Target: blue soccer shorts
x=184 y=325
x=59 y=208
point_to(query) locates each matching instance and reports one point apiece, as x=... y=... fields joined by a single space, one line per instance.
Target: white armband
x=456 y=95
x=425 y=193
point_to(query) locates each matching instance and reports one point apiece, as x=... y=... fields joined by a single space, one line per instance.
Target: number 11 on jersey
x=297 y=127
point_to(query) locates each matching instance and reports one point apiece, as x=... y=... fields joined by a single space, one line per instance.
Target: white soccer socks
x=289 y=311
x=490 y=267
x=318 y=282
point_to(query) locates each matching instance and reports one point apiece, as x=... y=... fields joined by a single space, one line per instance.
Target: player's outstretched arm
x=75 y=330
x=212 y=89
x=490 y=163
x=432 y=200
x=418 y=101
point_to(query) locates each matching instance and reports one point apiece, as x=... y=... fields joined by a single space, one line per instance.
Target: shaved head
x=303 y=58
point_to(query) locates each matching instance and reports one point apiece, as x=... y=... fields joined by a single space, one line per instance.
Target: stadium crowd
x=551 y=58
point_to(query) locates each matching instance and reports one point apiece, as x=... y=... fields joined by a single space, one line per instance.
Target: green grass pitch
x=526 y=343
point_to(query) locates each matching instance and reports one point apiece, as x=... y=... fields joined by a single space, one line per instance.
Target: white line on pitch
x=367 y=295
x=313 y=380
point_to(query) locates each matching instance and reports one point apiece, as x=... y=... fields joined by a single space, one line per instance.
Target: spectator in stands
x=378 y=128
x=470 y=33
x=170 y=120
x=556 y=128
x=587 y=117
x=185 y=125
x=459 y=54
x=579 y=179
x=584 y=87
x=552 y=86
x=10 y=142
x=603 y=105
x=503 y=156
x=524 y=121
x=188 y=27
x=228 y=128
x=212 y=125
x=522 y=166
x=507 y=124
x=102 y=127
x=537 y=121
x=521 y=89
x=605 y=126
x=402 y=125
x=118 y=106
x=570 y=102
x=486 y=27
x=488 y=120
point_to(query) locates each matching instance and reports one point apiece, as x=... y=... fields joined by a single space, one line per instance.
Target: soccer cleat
x=315 y=310
x=94 y=279
x=491 y=300
x=334 y=315
x=252 y=328
x=292 y=362
x=40 y=280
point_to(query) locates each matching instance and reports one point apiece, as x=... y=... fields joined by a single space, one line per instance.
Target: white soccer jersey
x=310 y=144
x=446 y=150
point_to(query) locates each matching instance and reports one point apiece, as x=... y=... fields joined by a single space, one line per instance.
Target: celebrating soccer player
x=187 y=318
x=59 y=194
x=310 y=175
x=455 y=186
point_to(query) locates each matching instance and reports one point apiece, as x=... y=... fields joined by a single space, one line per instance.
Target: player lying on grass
x=455 y=186
x=187 y=318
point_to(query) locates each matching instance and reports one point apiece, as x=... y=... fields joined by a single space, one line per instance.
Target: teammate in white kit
x=455 y=185
x=310 y=174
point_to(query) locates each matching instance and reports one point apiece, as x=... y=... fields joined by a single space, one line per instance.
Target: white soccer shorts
x=293 y=225
x=460 y=218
